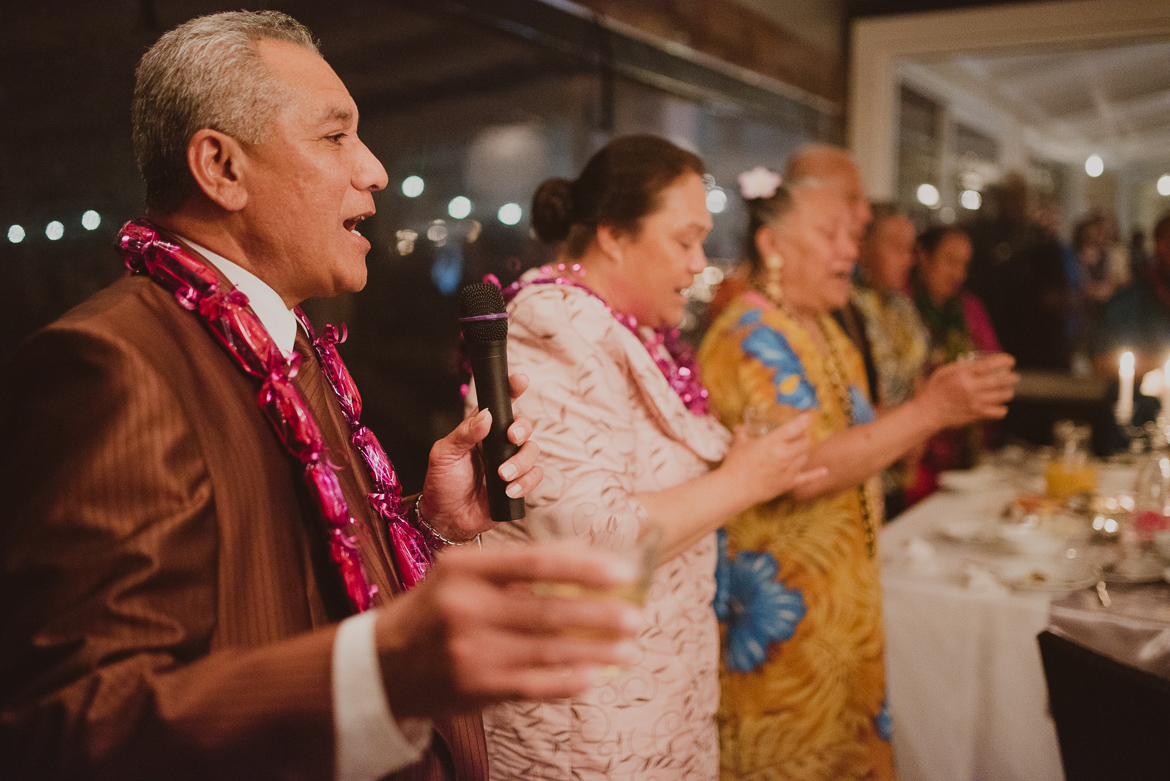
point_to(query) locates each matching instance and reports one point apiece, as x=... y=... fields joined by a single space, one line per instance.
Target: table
x=1133 y=630
x=966 y=685
x=965 y=682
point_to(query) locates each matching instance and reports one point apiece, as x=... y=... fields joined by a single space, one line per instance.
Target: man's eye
x=336 y=137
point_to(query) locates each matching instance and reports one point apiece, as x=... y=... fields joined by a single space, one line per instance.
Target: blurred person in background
x=628 y=445
x=799 y=594
x=958 y=326
x=1137 y=317
x=1096 y=261
x=1049 y=217
x=1017 y=271
x=834 y=168
x=1139 y=258
x=892 y=325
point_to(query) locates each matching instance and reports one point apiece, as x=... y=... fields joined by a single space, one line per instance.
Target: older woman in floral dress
x=799 y=598
x=627 y=444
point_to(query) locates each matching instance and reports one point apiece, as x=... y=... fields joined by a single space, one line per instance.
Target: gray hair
x=205 y=73
x=773 y=210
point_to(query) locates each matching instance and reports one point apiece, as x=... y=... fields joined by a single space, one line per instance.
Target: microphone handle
x=489 y=366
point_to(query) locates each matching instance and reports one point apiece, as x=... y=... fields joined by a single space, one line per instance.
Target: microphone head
x=482 y=299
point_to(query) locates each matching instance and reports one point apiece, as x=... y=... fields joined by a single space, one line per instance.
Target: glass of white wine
x=643 y=551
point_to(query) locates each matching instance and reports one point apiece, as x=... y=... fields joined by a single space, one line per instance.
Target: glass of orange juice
x=1070 y=472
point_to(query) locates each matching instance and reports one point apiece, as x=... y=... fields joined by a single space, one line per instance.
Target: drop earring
x=773 y=265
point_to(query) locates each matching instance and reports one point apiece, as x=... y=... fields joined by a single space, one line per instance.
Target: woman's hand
x=964 y=391
x=765 y=467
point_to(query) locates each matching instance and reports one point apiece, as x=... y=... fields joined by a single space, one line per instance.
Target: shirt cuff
x=369 y=742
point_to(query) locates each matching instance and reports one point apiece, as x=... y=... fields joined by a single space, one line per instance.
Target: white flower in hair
x=758 y=183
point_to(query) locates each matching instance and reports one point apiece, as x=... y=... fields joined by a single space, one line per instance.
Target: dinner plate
x=967 y=479
x=966 y=529
x=1050 y=575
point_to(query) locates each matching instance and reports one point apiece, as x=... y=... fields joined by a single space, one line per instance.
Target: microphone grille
x=479 y=299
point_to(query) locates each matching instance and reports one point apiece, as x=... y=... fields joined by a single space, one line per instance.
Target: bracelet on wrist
x=432 y=531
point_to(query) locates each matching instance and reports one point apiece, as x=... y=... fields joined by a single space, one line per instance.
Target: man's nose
x=370 y=174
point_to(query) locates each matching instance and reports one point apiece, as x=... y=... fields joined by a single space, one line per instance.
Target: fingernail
x=596 y=676
x=508 y=471
x=623 y=571
x=633 y=620
x=513 y=490
x=626 y=651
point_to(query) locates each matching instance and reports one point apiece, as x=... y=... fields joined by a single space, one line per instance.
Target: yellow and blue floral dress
x=798 y=595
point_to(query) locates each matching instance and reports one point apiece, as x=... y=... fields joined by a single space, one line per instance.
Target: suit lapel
x=377 y=557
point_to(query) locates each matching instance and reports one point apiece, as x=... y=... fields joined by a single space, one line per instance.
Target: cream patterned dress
x=609 y=426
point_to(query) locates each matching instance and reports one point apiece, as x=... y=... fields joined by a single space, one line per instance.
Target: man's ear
x=216 y=162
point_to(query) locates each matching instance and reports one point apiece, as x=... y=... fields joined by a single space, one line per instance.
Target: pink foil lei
x=227 y=314
x=412 y=549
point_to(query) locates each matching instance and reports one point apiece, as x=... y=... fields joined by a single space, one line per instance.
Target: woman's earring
x=773 y=264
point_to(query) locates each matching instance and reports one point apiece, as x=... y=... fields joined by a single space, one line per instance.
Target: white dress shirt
x=369 y=741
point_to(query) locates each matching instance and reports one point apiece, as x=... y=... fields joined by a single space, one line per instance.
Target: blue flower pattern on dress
x=757 y=610
x=884 y=724
x=771 y=348
x=862 y=409
x=750 y=317
x=722 y=575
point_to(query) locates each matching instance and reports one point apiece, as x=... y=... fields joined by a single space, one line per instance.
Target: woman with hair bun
x=628 y=445
x=799 y=595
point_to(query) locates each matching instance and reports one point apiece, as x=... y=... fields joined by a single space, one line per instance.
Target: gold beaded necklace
x=834 y=367
x=835 y=370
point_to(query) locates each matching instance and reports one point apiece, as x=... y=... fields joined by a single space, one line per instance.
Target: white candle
x=1125 y=390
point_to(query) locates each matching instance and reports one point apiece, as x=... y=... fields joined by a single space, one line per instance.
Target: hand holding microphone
x=455 y=498
x=485 y=334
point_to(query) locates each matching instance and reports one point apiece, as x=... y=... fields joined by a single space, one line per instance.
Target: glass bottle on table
x=1071 y=470
x=1151 y=512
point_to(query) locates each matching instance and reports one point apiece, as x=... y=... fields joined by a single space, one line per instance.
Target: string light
x=716 y=200
x=459 y=207
x=510 y=213
x=413 y=186
x=928 y=195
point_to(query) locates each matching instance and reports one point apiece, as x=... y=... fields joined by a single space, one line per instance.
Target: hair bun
x=552 y=209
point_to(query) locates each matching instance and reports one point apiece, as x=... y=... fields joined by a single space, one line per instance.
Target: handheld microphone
x=485 y=333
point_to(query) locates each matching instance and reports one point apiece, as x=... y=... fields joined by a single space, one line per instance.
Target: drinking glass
x=759 y=419
x=644 y=551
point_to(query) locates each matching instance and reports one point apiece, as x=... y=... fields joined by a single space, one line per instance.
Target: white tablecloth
x=966 y=684
x=965 y=681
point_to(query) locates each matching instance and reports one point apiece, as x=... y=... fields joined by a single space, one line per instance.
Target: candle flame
x=1127 y=363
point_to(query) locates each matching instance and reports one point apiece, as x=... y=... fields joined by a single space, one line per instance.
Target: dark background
x=483 y=99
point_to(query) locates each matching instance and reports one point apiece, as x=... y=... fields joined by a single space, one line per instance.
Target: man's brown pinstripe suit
x=166 y=600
